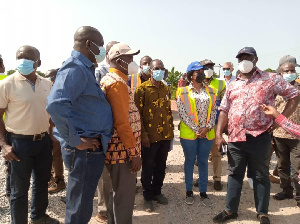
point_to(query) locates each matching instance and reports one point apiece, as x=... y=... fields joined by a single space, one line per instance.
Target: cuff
x=280 y=118
x=133 y=152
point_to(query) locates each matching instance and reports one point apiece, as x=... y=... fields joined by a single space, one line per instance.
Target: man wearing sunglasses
x=227 y=71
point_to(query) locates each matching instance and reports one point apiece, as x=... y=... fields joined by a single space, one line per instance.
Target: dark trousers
x=255 y=152
x=288 y=153
x=154 y=160
x=85 y=168
x=7 y=177
x=35 y=159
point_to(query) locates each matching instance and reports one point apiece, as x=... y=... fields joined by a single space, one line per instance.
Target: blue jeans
x=85 y=168
x=255 y=152
x=35 y=159
x=201 y=149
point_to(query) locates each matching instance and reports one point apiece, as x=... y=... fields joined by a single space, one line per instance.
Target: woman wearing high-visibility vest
x=197 y=111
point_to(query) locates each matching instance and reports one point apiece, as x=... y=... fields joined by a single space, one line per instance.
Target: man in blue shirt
x=83 y=122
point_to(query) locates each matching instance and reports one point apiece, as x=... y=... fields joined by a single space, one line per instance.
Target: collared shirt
x=126 y=140
x=230 y=80
x=77 y=105
x=202 y=100
x=25 y=109
x=243 y=99
x=155 y=109
x=290 y=127
x=101 y=71
x=295 y=117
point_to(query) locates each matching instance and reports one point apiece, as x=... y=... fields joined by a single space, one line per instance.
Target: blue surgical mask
x=25 y=66
x=158 y=75
x=102 y=53
x=289 y=77
x=146 y=69
x=227 y=72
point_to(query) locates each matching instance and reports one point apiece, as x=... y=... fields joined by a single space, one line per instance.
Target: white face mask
x=133 y=67
x=246 y=66
x=208 y=73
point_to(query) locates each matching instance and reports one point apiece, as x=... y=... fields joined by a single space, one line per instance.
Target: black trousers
x=154 y=160
x=288 y=153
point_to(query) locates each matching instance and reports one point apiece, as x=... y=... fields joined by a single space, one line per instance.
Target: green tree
x=9 y=72
x=270 y=70
x=173 y=78
x=41 y=73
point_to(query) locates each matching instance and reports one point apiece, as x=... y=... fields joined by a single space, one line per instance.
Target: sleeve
x=3 y=95
x=66 y=89
x=139 y=99
x=225 y=103
x=118 y=98
x=290 y=127
x=284 y=89
x=184 y=117
x=213 y=115
x=170 y=108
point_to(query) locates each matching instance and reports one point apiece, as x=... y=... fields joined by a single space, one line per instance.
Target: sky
x=177 y=32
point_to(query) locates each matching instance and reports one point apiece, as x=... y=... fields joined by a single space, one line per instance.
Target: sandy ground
x=177 y=212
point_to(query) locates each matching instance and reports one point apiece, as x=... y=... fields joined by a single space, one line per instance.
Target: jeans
x=7 y=173
x=201 y=149
x=255 y=152
x=35 y=159
x=85 y=168
x=154 y=162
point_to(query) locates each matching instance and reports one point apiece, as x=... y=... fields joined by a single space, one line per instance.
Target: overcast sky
x=177 y=32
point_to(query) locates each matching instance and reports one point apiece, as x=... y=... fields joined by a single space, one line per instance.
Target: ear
x=87 y=44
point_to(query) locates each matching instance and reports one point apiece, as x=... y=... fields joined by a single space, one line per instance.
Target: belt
x=36 y=137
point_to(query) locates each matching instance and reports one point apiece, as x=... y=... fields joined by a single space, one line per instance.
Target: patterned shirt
x=126 y=140
x=242 y=102
x=101 y=71
x=202 y=100
x=295 y=117
x=155 y=109
x=286 y=124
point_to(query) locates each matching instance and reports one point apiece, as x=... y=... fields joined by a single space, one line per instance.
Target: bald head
x=156 y=64
x=85 y=33
x=110 y=44
x=28 y=52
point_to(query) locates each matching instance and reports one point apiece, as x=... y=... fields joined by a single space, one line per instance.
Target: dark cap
x=288 y=58
x=194 y=66
x=247 y=50
x=206 y=62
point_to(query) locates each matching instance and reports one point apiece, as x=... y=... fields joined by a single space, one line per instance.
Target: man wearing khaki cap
x=123 y=153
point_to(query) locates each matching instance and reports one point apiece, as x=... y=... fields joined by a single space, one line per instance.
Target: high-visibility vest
x=1 y=78
x=298 y=80
x=189 y=103
x=135 y=81
x=219 y=85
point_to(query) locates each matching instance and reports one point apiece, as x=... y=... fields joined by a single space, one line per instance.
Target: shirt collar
x=119 y=73
x=257 y=72
x=149 y=83
x=82 y=58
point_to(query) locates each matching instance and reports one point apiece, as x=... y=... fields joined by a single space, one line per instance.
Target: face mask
x=146 y=69
x=200 y=77
x=289 y=77
x=25 y=66
x=208 y=73
x=246 y=66
x=227 y=73
x=102 y=53
x=133 y=68
x=158 y=75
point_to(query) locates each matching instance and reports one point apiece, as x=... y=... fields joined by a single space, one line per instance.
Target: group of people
x=104 y=120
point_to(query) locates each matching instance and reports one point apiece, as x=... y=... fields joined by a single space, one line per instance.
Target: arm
x=291 y=106
x=286 y=124
x=118 y=98
x=213 y=115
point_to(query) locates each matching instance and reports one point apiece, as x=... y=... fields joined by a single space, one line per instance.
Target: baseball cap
x=194 y=66
x=247 y=50
x=206 y=62
x=120 y=49
x=288 y=58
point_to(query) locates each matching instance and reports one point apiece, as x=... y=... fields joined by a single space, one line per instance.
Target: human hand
x=146 y=142
x=136 y=164
x=273 y=127
x=8 y=153
x=219 y=141
x=201 y=133
x=269 y=110
x=88 y=143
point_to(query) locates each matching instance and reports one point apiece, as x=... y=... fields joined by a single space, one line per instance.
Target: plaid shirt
x=242 y=102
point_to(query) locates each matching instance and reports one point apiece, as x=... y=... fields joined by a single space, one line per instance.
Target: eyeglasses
x=228 y=69
x=157 y=68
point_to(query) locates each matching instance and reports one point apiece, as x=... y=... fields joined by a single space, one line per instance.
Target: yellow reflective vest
x=219 y=85
x=189 y=102
x=135 y=82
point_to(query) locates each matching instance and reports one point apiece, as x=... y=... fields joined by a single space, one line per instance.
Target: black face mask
x=200 y=77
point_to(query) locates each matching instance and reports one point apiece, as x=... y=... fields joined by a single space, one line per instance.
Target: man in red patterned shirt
x=249 y=131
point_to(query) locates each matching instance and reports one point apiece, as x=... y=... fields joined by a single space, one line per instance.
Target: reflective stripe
x=135 y=81
x=220 y=87
x=187 y=103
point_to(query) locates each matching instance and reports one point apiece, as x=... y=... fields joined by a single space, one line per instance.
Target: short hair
x=189 y=75
x=1 y=60
x=231 y=64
